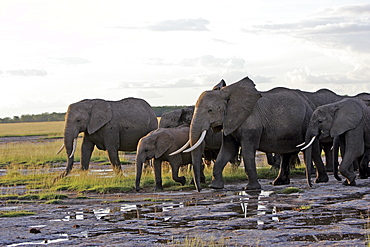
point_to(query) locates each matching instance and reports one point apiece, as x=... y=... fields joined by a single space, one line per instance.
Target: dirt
x=328 y=214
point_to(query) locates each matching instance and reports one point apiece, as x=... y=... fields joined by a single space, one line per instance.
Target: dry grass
x=32 y=129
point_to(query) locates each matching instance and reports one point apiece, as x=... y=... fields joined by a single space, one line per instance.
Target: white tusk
x=181 y=149
x=60 y=150
x=201 y=138
x=74 y=147
x=309 y=144
x=300 y=145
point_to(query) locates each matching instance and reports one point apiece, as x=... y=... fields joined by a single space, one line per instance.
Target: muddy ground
x=327 y=214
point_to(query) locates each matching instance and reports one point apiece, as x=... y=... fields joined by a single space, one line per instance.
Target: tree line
x=46 y=117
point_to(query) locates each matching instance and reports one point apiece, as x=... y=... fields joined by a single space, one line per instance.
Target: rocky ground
x=325 y=215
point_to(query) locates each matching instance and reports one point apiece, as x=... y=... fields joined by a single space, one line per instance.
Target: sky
x=54 y=53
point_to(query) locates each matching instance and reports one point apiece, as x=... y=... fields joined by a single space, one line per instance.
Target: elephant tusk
x=60 y=150
x=181 y=149
x=309 y=144
x=300 y=145
x=74 y=147
x=197 y=143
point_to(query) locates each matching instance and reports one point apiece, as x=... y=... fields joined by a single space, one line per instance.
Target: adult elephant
x=109 y=125
x=157 y=145
x=274 y=122
x=347 y=120
x=176 y=117
x=212 y=143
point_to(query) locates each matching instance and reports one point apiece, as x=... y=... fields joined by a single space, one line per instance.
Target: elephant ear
x=347 y=115
x=220 y=85
x=101 y=114
x=241 y=98
x=162 y=144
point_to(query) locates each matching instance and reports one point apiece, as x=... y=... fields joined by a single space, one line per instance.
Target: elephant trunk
x=197 y=127
x=310 y=137
x=139 y=169
x=70 y=143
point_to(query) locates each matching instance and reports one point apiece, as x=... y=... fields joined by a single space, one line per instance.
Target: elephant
x=273 y=122
x=176 y=117
x=157 y=145
x=109 y=125
x=348 y=120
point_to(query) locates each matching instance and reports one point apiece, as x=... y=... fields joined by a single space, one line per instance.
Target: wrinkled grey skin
x=109 y=125
x=176 y=117
x=157 y=145
x=348 y=120
x=274 y=122
x=184 y=116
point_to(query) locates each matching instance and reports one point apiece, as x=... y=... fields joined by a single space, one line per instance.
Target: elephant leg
x=175 y=174
x=114 y=160
x=157 y=165
x=354 y=148
x=364 y=165
x=249 y=158
x=86 y=151
x=321 y=175
x=229 y=149
x=283 y=176
x=329 y=162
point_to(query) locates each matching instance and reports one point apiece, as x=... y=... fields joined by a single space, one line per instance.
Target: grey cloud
x=25 y=72
x=349 y=9
x=342 y=27
x=71 y=60
x=305 y=76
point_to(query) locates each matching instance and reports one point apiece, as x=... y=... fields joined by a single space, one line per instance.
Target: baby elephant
x=157 y=145
x=348 y=120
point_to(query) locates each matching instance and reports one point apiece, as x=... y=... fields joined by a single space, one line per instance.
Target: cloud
x=71 y=60
x=24 y=72
x=210 y=61
x=305 y=76
x=199 y=24
x=344 y=27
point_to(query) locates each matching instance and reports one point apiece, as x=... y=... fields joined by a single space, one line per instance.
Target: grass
x=30 y=165
x=54 y=129
x=16 y=213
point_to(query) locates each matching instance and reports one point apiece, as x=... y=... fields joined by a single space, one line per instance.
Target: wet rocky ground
x=327 y=214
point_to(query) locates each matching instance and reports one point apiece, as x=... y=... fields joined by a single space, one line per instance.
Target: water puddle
x=256 y=210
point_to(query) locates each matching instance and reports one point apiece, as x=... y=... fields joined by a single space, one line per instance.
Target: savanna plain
x=98 y=208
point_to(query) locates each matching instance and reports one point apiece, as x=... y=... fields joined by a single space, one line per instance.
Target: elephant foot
x=362 y=176
x=181 y=180
x=322 y=178
x=347 y=183
x=281 y=181
x=338 y=178
x=158 y=188
x=217 y=184
x=255 y=186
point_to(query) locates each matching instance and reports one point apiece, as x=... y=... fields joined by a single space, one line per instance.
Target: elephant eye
x=78 y=120
x=145 y=150
x=210 y=110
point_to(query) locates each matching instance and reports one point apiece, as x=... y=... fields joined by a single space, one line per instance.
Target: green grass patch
x=54 y=201
x=291 y=190
x=16 y=213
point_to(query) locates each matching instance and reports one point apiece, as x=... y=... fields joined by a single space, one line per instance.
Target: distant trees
x=45 y=117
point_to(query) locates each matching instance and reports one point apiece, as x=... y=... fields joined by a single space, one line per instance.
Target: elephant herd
x=226 y=121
